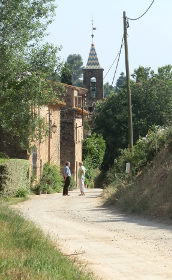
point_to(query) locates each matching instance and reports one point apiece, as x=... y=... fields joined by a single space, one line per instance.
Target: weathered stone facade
x=63 y=140
x=46 y=148
x=71 y=136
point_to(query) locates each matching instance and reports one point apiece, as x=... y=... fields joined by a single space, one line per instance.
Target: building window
x=93 y=87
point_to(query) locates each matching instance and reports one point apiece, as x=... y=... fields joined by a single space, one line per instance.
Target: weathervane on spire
x=93 y=28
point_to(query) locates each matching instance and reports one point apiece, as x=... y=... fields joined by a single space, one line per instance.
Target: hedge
x=14 y=177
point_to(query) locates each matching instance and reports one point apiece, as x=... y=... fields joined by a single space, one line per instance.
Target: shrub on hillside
x=149 y=189
x=14 y=179
x=51 y=180
x=143 y=151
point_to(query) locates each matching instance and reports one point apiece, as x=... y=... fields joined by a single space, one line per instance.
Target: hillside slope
x=150 y=193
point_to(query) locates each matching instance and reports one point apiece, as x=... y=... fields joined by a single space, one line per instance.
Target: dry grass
x=150 y=193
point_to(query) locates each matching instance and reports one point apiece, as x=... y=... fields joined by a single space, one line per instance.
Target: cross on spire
x=93 y=28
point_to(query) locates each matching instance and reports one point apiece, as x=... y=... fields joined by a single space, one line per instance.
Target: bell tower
x=93 y=77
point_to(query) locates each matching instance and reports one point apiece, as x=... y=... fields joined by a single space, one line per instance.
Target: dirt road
x=115 y=246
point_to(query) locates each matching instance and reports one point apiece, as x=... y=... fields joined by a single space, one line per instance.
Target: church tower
x=93 y=78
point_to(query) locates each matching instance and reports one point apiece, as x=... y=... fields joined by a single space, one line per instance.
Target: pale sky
x=149 y=39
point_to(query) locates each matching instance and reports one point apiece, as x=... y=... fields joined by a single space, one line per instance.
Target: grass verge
x=25 y=252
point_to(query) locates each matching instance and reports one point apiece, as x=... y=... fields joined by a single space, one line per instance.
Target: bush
x=93 y=152
x=14 y=178
x=51 y=180
x=22 y=192
x=90 y=172
x=143 y=151
x=94 y=149
x=72 y=184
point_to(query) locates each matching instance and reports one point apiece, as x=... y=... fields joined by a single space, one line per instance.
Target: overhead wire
x=111 y=65
x=119 y=54
x=143 y=13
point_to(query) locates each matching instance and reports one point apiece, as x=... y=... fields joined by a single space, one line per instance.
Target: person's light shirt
x=81 y=172
x=67 y=171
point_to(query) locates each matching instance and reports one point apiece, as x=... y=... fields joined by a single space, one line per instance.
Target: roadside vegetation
x=93 y=153
x=51 y=180
x=14 y=177
x=147 y=189
x=25 y=252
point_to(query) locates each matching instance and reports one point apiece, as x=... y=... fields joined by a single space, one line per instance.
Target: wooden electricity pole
x=130 y=127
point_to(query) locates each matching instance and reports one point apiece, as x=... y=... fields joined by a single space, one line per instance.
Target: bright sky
x=149 y=39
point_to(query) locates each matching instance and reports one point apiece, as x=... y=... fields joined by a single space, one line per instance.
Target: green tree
x=66 y=75
x=25 y=64
x=151 y=105
x=142 y=74
x=93 y=149
x=108 y=89
x=75 y=65
x=120 y=82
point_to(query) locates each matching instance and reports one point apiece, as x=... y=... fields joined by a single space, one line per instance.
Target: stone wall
x=67 y=138
x=71 y=140
x=47 y=148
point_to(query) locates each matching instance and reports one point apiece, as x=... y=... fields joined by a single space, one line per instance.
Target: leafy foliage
x=144 y=150
x=75 y=64
x=151 y=105
x=25 y=64
x=94 y=148
x=14 y=179
x=51 y=180
x=66 y=75
x=93 y=152
x=120 y=82
x=108 y=89
x=72 y=184
x=90 y=172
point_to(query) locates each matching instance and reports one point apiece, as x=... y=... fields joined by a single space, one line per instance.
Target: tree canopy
x=93 y=150
x=151 y=105
x=26 y=64
x=75 y=64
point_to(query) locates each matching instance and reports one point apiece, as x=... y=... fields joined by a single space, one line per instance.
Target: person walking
x=66 y=176
x=81 y=176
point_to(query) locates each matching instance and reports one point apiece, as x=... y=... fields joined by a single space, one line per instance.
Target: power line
x=111 y=65
x=119 y=54
x=113 y=62
x=143 y=13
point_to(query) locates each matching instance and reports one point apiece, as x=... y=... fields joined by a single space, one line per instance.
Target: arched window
x=93 y=87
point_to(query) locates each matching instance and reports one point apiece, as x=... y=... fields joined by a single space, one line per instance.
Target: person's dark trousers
x=66 y=186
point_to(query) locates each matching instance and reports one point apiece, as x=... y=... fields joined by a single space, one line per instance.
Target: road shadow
x=116 y=215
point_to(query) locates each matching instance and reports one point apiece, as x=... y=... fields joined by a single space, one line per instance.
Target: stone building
x=47 y=147
x=72 y=124
x=65 y=122
x=93 y=79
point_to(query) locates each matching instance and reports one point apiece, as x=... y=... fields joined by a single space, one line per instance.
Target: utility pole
x=130 y=127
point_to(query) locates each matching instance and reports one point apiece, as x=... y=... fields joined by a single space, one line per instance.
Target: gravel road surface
x=115 y=246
